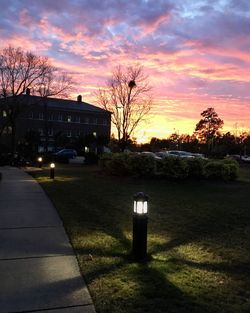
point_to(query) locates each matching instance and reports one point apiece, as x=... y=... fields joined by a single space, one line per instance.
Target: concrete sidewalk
x=38 y=268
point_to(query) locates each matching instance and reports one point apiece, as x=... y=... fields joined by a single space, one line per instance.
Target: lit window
x=94 y=134
x=69 y=118
x=7 y=130
x=4 y=113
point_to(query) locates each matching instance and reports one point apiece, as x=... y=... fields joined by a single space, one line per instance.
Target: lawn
x=198 y=241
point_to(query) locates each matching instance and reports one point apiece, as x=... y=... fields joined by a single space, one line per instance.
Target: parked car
x=151 y=154
x=199 y=155
x=161 y=154
x=181 y=154
x=245 y=158
x=69 y=153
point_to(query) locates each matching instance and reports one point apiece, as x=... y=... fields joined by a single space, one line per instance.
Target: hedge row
x=122 y=164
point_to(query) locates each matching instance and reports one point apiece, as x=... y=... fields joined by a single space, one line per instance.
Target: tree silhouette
x=208 y=127
x=20 y=72
x=127 y=97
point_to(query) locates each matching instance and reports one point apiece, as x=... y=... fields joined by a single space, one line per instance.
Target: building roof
x=63 y=104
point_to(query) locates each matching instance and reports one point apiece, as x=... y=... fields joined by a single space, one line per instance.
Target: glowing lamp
x=52 y=170
x=40 y=160
x=140 y=203
x=140 y=227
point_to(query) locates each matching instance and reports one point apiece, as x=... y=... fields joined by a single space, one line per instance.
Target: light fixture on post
x=140 y=225
x=40 y=161
x=52 y=170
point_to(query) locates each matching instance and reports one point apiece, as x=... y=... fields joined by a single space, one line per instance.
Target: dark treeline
x=219 y=145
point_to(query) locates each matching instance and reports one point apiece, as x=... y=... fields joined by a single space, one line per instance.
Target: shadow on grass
x=236 y=268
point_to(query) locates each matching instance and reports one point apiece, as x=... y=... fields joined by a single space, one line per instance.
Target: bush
x=225 y=169
x=174 y=167
x=104 y=159
x=196 y=167
x=91 y=158
x=142 y=165
x=233 y=168
x=61 y=159
x=48 y=158
x=118 y=164
x=122 y=164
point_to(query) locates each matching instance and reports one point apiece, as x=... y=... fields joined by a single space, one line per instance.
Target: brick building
x=54 y=121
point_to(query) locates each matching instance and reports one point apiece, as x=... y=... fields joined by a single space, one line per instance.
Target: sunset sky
x=196 y=53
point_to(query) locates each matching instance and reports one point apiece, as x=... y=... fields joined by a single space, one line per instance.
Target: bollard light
x=140 y=224
x=52 y=170
x=40 y=161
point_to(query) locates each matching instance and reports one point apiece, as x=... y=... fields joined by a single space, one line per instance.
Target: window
x=77 y=119
x=40 y=131
x=60 y=117
x=51 y=132
x=69 y=118
x=86 y=120
x=68 y=133
x=51 y=117
x=7 y=130
x=4 y=113
x=94 y=121
x=40 y=116
x=94 y=134
x=31 y=115
x=78 y=133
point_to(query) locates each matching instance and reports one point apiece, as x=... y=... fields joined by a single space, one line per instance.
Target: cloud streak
x=196 y=53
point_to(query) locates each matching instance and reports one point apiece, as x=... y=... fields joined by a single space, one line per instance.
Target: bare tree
x=21 y=70
x=127 y=97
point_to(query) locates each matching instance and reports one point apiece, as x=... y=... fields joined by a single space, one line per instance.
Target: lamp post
x=140 y=223
x=40 y=160
x=52 y=170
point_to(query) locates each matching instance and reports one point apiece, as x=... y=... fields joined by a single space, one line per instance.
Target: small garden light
x=40 y=161
x=140 y=223
x=52 y=170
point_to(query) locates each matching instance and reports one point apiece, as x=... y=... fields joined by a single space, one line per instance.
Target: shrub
x=103 y=160
x=233 y=168
x=118 y=164
x=225 y=169
x=91 y=158
x=174 y=167
x=61 y=159
x=196 y=167
x=142 y=165
x=217 y=170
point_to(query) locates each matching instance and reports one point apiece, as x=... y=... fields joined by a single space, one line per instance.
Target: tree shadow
x=234 y=269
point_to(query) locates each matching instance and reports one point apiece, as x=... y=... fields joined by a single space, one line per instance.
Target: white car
x=181 y=154
x=151 y=154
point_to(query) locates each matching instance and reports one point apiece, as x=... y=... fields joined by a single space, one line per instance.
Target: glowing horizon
x=196 y=53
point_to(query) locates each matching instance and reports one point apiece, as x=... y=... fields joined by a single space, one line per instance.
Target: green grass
x=199 y=241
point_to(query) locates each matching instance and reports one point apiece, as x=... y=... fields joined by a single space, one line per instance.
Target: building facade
x=53 y=122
